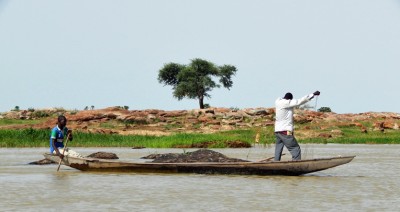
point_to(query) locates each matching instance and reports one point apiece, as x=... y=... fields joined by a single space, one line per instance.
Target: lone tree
x=194 y=81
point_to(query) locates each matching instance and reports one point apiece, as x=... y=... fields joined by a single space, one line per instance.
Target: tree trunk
x=201 y=99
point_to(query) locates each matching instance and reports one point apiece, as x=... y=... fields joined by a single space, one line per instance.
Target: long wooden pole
x=59 y=163
x=269 y=159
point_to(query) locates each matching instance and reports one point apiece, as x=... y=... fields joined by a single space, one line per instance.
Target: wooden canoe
x=290 y=168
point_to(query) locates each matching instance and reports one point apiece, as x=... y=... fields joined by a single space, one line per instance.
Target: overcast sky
x=77 y=53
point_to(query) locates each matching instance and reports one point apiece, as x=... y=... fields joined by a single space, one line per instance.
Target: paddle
x=59 y=163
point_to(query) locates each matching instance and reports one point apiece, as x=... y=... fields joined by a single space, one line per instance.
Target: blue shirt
x=58 y=134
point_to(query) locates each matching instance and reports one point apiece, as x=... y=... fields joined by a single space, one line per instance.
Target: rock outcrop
x=117 y=120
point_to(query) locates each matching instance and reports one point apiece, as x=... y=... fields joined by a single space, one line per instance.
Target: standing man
x=284 y=124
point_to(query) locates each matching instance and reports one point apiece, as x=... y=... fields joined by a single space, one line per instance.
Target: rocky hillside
x=116 y=120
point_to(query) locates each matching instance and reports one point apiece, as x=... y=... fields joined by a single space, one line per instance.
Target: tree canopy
x=195 y=80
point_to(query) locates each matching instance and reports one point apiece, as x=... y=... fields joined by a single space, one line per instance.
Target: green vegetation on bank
x=17 y=121
x=40 y=138
x=353 y=136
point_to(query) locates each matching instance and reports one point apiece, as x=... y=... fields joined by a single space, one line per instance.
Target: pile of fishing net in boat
x=201 y=155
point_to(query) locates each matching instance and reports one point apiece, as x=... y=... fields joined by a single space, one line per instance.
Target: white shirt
x=284 y=112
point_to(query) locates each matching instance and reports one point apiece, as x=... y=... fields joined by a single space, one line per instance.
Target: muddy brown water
x=369 y=183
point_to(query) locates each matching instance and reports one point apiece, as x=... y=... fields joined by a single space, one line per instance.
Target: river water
x=369 y=183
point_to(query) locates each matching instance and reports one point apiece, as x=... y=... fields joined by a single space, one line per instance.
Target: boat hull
x=290 y=168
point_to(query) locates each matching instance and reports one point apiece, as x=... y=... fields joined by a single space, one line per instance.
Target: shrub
x=324 y=109
x=234 y=109
x=16 y=108
x=73 y=112
x=39 y=114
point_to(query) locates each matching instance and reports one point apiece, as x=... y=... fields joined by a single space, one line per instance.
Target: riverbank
x=207 y=128
x=227 y=139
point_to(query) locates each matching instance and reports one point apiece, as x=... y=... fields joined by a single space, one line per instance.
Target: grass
x=40 y=138
x=4 y=122
x=352 y=135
